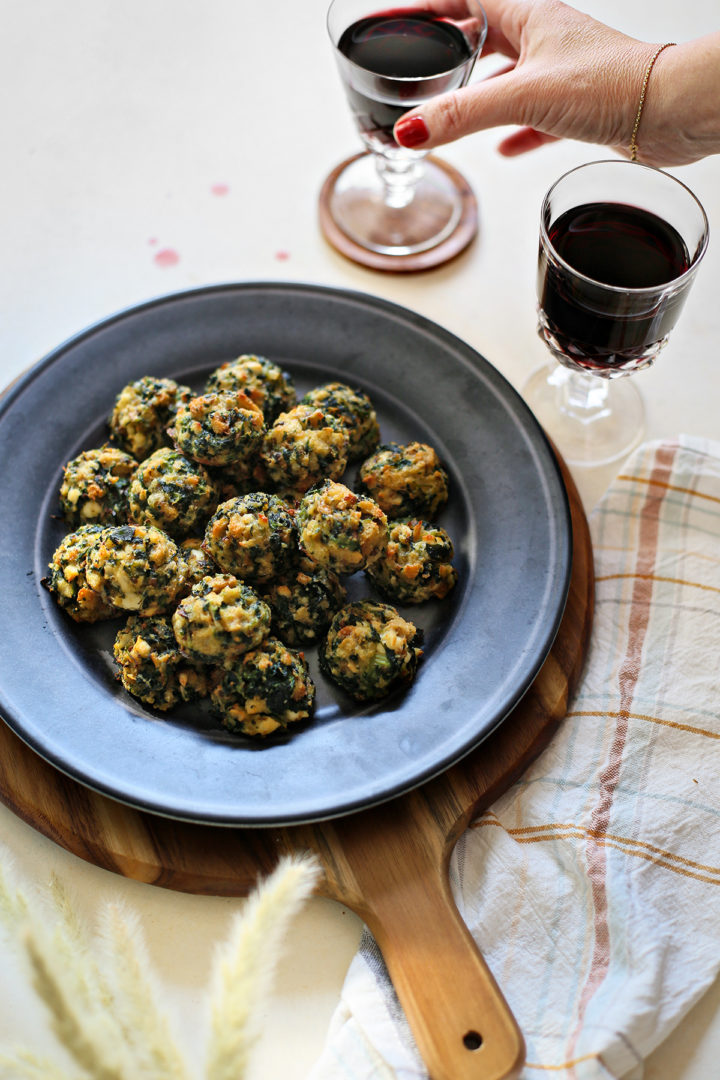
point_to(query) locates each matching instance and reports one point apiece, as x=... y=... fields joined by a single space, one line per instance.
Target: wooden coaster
x=389 y=864
x=462 y=235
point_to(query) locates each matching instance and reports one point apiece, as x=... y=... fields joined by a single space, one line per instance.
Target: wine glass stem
x=583 y=396
x=399 y=171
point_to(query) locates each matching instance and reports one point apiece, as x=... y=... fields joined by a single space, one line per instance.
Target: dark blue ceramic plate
x=508 y=516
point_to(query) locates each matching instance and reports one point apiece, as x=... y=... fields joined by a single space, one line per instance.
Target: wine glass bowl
x=620 y=245
x=392 y=200
x=391 y=61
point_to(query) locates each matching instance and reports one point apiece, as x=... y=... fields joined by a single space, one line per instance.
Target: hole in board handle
x=472 y=1040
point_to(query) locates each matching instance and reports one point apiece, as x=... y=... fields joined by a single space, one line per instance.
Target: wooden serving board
x=388 y=864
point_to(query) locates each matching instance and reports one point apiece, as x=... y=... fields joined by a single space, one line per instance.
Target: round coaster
x=448 y=248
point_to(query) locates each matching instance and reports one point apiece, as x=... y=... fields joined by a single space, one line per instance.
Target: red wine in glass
x=620 y=245
x=392 y=48
x=596 y=245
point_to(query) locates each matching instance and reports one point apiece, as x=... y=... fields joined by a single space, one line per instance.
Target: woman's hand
x=569 y=76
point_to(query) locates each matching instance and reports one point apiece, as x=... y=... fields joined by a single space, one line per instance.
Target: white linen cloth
x=591 y=886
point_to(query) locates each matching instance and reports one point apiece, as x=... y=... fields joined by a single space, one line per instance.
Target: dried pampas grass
x=102 y=997
x=135 y=1000
x=25 y=1065
x=244 y=967
x=13 y=905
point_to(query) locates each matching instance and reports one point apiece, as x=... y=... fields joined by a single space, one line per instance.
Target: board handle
x=462 y=1024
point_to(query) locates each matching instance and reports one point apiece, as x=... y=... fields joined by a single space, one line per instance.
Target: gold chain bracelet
x=648 y=69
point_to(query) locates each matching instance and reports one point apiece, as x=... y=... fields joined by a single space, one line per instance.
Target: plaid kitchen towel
x=592 y=887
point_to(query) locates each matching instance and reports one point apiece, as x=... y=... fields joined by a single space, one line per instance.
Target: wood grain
x=389 y=864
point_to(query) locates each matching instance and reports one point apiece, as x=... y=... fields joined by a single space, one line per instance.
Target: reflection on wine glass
x=620 y=244
x=391 y=201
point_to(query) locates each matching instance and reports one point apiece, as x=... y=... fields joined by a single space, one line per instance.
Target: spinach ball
x=220 y=619
x=416 y=565
x=68 y=582
x=265 y=691
x=151 y=666
x=94 y=488
x=303 y=601
x=370 y=650
x=304 y=446
x=172 y=492
x=264 y=382
x=135 y=568
x=354 y=410
x=342 y=531
x=142 y=412
x=405 y=480
x=253 y=536
x=218 y=428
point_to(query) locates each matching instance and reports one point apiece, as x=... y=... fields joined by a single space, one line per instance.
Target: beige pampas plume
x=88 y=1036
x=245 y=964
x=13 y=905
x=72 y=945
x=25 y=1065
x=135 y=999
x=64 y=980
x=101 y=994
x=66 y=909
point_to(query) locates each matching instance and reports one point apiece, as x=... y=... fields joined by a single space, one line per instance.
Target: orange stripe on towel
x=691 y=728
x=564 y=1065
x=659 y=577
x=532 y=834
x=667 y=487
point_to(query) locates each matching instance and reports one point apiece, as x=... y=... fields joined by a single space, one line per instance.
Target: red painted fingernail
x=411 y=132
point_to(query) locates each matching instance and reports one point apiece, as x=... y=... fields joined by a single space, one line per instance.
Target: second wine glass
x=620 y=244
x=393 y=201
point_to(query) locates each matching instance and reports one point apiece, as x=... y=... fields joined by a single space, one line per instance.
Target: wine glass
x=620 y=244
x=390 y=202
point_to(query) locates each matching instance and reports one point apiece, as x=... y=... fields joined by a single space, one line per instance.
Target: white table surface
x=206 y=130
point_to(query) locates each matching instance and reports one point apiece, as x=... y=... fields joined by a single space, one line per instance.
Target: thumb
x=490 y=103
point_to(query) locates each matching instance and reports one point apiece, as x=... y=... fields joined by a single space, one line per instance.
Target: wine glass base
x=605 y=430
x=437 y=225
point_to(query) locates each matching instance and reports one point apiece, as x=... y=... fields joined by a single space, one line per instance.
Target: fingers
x=496 y=42
x=502 y=71
x=450 y=116
x=506 y=19
x=523 y=140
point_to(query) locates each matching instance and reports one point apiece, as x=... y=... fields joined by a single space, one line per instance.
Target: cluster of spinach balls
x=218 y=524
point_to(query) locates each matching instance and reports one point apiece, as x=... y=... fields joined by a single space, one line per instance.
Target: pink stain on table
x=282 y=256
x=166 y=257
x=220 y=189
